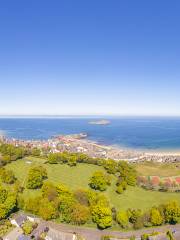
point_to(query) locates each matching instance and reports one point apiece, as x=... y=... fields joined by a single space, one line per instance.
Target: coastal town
x=79 y=143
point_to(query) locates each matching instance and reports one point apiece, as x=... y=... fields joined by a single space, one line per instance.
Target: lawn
x=78 y=177
x=158 y=169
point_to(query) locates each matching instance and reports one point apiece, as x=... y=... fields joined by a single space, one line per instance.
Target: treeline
x=126 y=174
x=9 y=152
x=76 y=207
x=163 y=214
x=86 y=206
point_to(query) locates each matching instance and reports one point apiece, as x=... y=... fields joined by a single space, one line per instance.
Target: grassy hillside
x=78 y=177
x=159 y=169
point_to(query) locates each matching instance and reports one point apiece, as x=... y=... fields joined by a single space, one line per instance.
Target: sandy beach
x=78 y=143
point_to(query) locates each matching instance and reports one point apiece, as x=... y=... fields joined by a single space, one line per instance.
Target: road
x=95 y=234
x=14 y=234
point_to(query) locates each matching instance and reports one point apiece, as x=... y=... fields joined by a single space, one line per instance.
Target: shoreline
x=80 y=143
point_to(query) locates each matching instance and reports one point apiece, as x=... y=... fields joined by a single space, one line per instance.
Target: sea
x=145 y=133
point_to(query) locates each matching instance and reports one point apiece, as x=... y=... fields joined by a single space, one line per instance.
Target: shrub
x=106 y=237
x=27 y=227
x=169 y=234
x=119 y=189
x=145 y=237
x=132 y=238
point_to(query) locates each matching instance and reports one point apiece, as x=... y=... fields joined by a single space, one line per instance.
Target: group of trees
x=156 y=216
x=36 y=176
x=82 y=206
x=7 y=176
x=76 y=207
x=10 y=152
x=79 y=206
x=7 y=202
x=126 y=174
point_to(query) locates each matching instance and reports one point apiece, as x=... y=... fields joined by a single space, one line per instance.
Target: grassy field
x=78 y=177
x=159 y=169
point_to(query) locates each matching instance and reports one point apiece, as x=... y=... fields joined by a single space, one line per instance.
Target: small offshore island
x=100 y=122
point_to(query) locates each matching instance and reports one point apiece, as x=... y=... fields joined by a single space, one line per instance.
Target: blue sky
x=117 y=57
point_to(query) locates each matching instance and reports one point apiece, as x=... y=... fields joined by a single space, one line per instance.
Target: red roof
x=178 y=179
x=155 y=180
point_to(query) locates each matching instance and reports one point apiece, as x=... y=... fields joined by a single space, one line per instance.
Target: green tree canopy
x=99 y=181
x=102 y=216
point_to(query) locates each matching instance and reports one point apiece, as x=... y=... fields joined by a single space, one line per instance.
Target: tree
x=102 y=216
x=27 y=227
x=6 y=159
x=11 y=152
x=155 y=217
x=7 y=202
x=80 y=214
x=81 y=196
x=47 y=209
x=53 y=158
x=122 y=219
x=127 y=173
x=3 y=211
x=33 y=204
x=3 y=194
x=36 y=176
x=145 y=236
x=49 y=191
x=72 y=161
x=66 y=204
x=133 y=215
x=110 y=166
x=36 y=152
x=62 y=189
x=7 y=176
x=172 y=212
x=99 y=181
x=119 y=189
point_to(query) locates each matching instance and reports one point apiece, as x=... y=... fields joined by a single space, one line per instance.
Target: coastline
x=80 y=143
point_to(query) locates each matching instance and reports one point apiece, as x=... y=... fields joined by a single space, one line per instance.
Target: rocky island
x=100 y=122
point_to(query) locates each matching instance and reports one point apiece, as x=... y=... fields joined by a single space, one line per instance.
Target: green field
x=78 y=177
x=159 y=169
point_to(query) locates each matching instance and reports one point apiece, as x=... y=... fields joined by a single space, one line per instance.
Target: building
x=59 y=235
x=18 y=219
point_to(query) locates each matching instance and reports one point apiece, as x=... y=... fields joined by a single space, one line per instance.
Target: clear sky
x=117 y=57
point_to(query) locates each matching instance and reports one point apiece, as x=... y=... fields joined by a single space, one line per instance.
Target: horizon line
x=82 y=115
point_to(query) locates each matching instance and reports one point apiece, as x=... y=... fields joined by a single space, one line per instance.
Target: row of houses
x=42 y=229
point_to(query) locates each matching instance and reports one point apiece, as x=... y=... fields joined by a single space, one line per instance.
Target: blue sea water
x=133 y=132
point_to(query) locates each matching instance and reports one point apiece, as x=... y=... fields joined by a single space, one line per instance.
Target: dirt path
x=95 y=234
